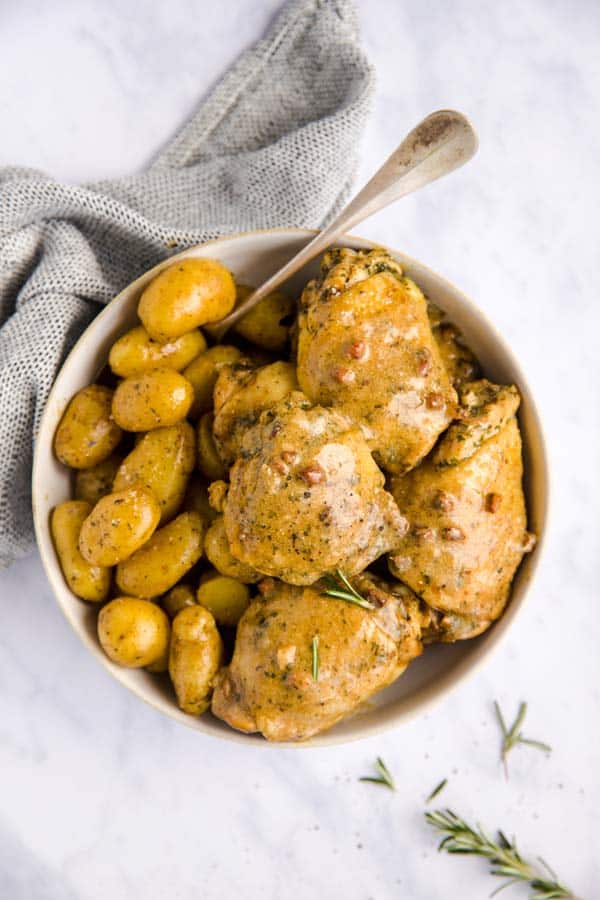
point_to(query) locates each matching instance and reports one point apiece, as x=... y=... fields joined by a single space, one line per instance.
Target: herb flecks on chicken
x=269 y=684
x=306 y=497
x=365 y=347
x=467 y=515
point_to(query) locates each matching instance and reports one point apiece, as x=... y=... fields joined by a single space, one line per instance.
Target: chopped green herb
x=340 y=587
x=384 y=775
x=513 y=735
x=439 y=787
x=315 y=657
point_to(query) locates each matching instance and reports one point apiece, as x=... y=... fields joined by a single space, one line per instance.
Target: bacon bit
x=492 y=502
x=265 y=586
x=286 y=656
x=325 y=515
x=443 y=501
x=434 y=401
x=343 y=375
x=423 y=361
x=280 y=466
x=313 y=474
x=529 y=542
x=422 y=532
x=453 y=533
x=289 y=457
x=275 y=429
x=357 y=350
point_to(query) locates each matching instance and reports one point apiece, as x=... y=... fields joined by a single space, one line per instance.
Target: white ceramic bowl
x=252 y=257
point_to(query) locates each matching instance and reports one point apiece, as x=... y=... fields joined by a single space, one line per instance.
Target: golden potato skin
x=92 y=484
x=178 y=598
x=118 y=525
x=164 y=559
x=162 y=461
x=203 y=372
x=135 y=352
x=185 y=295
x=154 y=399
x=225 y=597
x=218 y=552
x=133 y=633
x=268 y=323
x=85 y=580
x=87 y=433
x=195 y=658
x=209 y=461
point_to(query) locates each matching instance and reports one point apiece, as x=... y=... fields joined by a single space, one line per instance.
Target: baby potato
x=154 y=399
x=185 y=295
x=164 y=559
x=92 y=484
x=268 y=323
x=118 y=525
x=195 y=657
x=216 y=547
x=178 y=598
x=225 y=597
x=87 y=433
x=133 y=632
x=85 y=580
x=209 y=461
x=162 y=461
x=135 y=352
x=202 y=374
x=196 y=498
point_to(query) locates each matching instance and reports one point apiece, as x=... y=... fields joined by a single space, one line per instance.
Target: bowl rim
x=463 y=670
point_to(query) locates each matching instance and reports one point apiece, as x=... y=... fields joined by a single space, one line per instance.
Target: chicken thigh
x=270 y=685
x=306 y=496
x=467 y=515
x=365 y=346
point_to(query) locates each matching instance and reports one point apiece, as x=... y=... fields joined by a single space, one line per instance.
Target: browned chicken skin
x=365 y=346
x=467 y=515
x=269 y=685
x=306 y=496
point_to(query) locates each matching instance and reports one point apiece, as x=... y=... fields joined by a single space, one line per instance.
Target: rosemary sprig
x=315 y=657
x=439 y=787
x=341 y=588
x=384 y=777
x=505 y=859
x=513 y=735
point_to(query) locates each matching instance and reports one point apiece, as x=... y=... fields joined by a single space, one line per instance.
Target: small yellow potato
x=133 y=632
x=92 y=484
x=162 y=461
x=209 y=461
x=135 y=352
x=268 y=323
x=118 y=525
x=195 y=658
x=217 y=550
x=202 y=374
x=164 y=559
x=154 y=399
x=185 y=295
x=87 y=433
x=196 y=498
x=85 y=580
x=178 y=598
x=225 y=597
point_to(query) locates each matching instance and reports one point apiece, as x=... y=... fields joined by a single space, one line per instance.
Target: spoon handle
x=442 y=142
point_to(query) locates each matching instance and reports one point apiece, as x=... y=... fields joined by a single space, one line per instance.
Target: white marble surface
x=100 y=797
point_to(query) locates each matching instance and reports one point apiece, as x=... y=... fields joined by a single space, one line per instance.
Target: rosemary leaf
x=504 y=858
x=315 y=657
x=513 y=735
x=439 y=787
x=340 y=587
x=384 y=775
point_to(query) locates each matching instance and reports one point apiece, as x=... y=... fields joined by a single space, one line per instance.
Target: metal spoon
x=442 y=142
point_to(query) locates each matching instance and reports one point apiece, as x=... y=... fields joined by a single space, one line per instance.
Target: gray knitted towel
x=274 y=144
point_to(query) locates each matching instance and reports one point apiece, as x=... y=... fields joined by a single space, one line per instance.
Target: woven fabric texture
x=274 y=144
